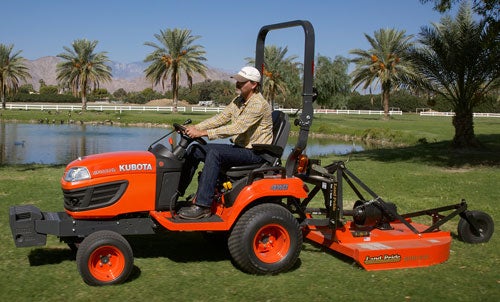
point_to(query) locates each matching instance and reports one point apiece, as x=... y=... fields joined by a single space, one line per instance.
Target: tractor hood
x=109 y=164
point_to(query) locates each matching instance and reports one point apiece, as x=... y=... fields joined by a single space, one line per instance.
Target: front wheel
x=104 y=258
x=479 y=230
x=266 y=240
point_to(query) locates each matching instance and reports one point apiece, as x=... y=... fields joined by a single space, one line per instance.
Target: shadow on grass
x=441 y=153
x=182 y=247
x=315 y=247
x=44 y=256
x=179 y=247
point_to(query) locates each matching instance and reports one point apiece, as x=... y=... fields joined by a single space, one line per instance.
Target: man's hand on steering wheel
x=190 y=133
x=193 y=132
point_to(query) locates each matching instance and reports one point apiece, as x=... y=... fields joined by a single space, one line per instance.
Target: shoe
x=194 y=212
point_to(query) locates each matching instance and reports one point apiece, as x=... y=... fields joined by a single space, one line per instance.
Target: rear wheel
x=471 y=234
x=266 y=240
x=104 y=258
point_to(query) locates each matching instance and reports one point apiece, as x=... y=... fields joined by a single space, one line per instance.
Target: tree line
x=454 y=64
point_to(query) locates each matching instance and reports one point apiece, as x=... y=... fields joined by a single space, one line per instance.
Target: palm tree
x=12 y=71
x=458 y=62
x=489 y=9
x=175 y=54
x=82 y=68
x=385 y=64
x=278 y=72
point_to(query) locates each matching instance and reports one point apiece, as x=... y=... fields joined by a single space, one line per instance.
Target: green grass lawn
x=187 y=267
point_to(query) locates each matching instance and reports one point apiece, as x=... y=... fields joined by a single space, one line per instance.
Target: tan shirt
x=247 y=123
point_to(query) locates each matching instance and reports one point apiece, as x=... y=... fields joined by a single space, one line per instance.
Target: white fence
x=207 y=109
x=475 y=114
x=219 y=109
x=121 y=108
x=358 y=112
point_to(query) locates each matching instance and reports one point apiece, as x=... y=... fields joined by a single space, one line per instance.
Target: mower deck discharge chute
x=263 y=209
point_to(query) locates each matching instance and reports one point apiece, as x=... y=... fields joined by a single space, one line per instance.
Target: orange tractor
x=263 y=209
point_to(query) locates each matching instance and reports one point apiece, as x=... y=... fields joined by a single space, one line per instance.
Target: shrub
x=32 y=98
x=49 y=90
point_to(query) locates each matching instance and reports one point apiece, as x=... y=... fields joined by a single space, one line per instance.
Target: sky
x=227 y=29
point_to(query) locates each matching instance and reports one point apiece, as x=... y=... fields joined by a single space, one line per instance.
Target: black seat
x=270 y=152
x=281 y=129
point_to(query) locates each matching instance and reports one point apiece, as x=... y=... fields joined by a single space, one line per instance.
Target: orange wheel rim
x=106 y=263
x=271 y=243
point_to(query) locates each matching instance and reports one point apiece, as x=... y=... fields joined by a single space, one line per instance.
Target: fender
x=265 y=188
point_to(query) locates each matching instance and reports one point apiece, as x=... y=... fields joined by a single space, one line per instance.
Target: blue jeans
x=215 y=157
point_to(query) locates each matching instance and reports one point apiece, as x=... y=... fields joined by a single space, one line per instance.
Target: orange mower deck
x=385 y=249
x=376 y=236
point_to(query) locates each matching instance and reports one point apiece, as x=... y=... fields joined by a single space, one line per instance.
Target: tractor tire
x=104 y=258
x=266 y=240
x=469 y=234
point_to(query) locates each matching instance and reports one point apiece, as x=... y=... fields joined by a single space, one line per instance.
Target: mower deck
x=385 y=249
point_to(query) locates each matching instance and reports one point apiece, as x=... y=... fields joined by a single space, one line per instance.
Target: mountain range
x=129 y=76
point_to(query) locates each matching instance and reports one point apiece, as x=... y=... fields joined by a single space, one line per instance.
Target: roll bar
x=308 y=94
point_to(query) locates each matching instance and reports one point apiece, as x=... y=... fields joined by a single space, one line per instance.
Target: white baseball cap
x=247 y=73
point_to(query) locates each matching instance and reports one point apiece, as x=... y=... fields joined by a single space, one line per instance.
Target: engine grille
x=94 y=197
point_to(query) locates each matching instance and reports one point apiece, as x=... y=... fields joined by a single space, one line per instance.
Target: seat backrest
x=281 y=128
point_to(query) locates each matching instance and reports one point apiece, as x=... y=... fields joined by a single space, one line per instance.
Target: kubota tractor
x=263 y=208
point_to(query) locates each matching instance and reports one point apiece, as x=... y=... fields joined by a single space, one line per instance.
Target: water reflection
x=60 y=144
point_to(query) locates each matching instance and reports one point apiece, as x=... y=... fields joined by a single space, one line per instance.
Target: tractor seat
x=270 y=152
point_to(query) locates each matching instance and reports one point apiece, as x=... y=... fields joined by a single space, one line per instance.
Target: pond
x=60 y=144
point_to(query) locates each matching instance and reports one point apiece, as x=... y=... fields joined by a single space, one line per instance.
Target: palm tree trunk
x=464 y=131
x=385 y=99
x=84 y=102
x=175 y=89
x=84 y=97
x=175 y=98
x=272 y=95
x=2 y=96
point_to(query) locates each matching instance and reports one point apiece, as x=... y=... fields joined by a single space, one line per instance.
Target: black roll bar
x=306 y=116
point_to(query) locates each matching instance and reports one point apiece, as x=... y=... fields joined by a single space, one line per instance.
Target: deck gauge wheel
x=479 y=231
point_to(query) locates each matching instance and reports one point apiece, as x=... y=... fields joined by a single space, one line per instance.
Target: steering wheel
x=182 y=131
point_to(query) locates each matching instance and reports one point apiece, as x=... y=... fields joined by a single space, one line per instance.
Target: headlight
x=77 y=174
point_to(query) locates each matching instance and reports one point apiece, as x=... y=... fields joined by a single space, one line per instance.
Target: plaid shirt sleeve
x=250 y=123
x=218 y=120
